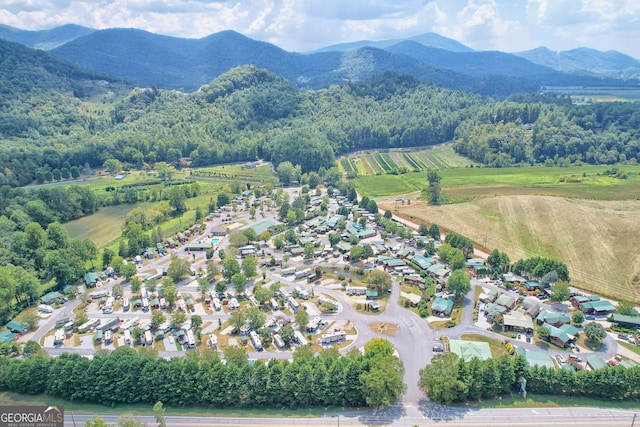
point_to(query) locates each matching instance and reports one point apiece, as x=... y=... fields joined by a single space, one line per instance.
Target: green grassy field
x=141 y=409
x=236 y=171
x=103 y=226
x=596 y=94
x=461 y=184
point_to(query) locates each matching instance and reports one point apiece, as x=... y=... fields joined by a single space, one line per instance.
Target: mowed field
x=103 y=226
x=597 y=239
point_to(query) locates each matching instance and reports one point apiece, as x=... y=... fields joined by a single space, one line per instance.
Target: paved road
x=394 y=416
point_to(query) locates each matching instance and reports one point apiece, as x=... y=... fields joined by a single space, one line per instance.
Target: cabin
x=91 y=279
x=17 y=327
x=51 y=298
x=442 y=307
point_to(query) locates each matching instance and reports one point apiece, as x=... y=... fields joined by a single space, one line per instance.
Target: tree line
x=202 y=379
x=450 y=379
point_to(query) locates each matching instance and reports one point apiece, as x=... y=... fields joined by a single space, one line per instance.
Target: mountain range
x=146 y=59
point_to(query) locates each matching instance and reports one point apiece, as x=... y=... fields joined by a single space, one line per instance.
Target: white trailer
x=278 y=340
x=130 y=324
x=332 y=338
x=148 y=339
x=233 y=304
x=303 y=273
x=59 y=336
x=295 y=305
x=191 y=339
x=274 y=304
x=98 y=294
x=314 y=324
x=108 y=337
x=145 y=304
x=255 y=340
x=126 y=305
x=44 y=308
x=127 y=337
x=216 y=304
x=288 y=271
x=300 y=339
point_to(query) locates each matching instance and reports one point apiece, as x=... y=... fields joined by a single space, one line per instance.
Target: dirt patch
x=384 y=328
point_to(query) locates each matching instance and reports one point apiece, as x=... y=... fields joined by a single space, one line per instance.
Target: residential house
x=51 y=297
x=442 y=307
x=558 y=336
x=415 y=279
x=413 y=299
x=594 y=362
x=597 y=308
x=7 y=337
x=91 y=279
x=552 y=318
x=492 y=309
x=576 y=300
x=438 y=271
x=475 y=264
x=394 y=264
x=197 y=246
x=17 y=327
x=488 y=297
x=626 y=321
x=536 y=358
x=422 y=262
x=518 y=321
x=468 y=350
x=506 y=301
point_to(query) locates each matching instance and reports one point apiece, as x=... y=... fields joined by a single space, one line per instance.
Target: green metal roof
x=468 y=350
x=17 y=326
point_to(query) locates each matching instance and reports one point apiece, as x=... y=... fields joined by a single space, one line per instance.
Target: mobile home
x=303 y=273
x=127 y=337
x=44 y=308
x=288 y=271
x=125 y=304
x=332 y=338
x=274 y=304
x=58 y=338
x=255 y=341
x=191 y=340
x=299 y=338
x=295 y=305
x=233 y=304
x=148 y=339
x=278 y=340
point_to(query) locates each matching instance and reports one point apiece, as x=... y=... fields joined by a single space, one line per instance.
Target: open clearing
x=102 y=226
x=596 y=239
x=384 y=328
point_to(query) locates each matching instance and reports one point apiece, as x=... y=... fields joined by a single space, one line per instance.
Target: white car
x=171 y=340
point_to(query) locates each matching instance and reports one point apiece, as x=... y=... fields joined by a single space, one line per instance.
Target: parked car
x=560 y=359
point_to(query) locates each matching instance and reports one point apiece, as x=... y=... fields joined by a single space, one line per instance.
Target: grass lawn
x=583 y=342
x=456 y=316
x=141 y=409
x=550 y=401
x=496 y=346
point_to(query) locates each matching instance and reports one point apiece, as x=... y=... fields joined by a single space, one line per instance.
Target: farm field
x=463 y=184
x=595 y=238
x=104 y=225
x=236 y=171
x=385 y=161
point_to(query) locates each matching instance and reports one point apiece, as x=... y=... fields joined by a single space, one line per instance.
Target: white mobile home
x=98 y=294
x=88 y=325
x=148 y=339
x=295 y=305
x=288 y=271
x=216 y=304
x=129 y=324
x=274 y=304
x=58 y=337
x=278 y=340
x=356 y=290
x=233 y=304
x=314 y=324
x=44 y=308
x=191 y=340
x=300 y=339
x=127 y=337
x=303 y=273
x=108 y=337
x=126 y=305
x=255 y=341
x=333 y=337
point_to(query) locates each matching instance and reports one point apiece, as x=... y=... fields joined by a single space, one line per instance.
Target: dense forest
x=201 y=379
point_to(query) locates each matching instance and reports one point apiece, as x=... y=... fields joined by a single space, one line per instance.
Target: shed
x=371 y=294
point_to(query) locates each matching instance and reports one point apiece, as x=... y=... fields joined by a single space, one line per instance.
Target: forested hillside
x=49 y=127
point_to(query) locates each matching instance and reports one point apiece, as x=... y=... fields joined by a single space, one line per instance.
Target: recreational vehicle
x=255 y=340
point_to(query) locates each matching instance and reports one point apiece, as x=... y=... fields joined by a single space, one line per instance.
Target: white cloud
x=301 y=25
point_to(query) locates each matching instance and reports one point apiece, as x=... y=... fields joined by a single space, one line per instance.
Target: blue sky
x=302 y=25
